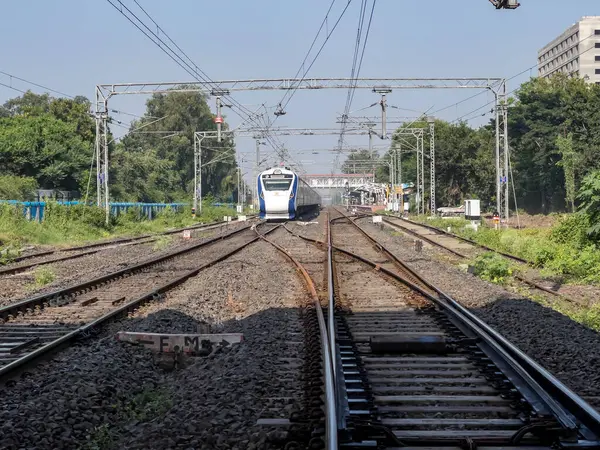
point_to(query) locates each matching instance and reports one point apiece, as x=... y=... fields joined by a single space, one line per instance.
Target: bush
x=492 y=267
x=571 y=229
x=59 y=215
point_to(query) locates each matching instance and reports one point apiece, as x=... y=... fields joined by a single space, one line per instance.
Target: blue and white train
x=283 y=195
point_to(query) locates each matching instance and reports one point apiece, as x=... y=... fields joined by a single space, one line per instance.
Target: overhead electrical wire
x=287 y=97
x=356 y=67
x=13 y=88
x=54 y=91
x=293 y=91
x=35 y=84
x=363 y=51
x=238 y=108
x=194 y=71
x=528 y=69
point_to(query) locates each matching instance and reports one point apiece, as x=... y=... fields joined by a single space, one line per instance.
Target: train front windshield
x=277 y=184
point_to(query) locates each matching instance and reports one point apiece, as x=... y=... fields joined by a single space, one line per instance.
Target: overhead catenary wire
x=54 y=91
x=363 y=50
x=35 y=84
x=528 y=69
x=194 y=71
x=13 y=88
x=293 y=90
x=356 y=66
x=190 y=67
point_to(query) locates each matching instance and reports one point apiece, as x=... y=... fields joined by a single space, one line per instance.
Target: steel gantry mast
x=502 y=179
x=431 y=121
x=104 y=92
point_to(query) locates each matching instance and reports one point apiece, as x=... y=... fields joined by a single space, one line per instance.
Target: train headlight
x=262 y=195
x=292 y=194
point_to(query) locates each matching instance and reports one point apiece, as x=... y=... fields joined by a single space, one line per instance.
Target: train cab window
x=277 y=184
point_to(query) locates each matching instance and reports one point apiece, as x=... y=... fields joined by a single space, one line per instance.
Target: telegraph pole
x=431 y=121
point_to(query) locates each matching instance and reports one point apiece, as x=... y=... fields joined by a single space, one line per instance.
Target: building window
x=597 y=71
x=597 y=32
x=597 y=45
x=597 y=57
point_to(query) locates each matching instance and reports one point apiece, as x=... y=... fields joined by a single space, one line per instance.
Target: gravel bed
x=65 y=273
x=568 y=349
x=218 y=400
x=310 y=229
x=312 y=258
x=105 y=394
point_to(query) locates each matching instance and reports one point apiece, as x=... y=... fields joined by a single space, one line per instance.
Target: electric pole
x=383 y=104
x=219 y=118
x=401 y=205
x=238 y=186
x=419 y=193
x=431 y=121
x=255 y=200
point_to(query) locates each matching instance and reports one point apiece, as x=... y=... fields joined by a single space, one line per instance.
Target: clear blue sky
x=71 y=45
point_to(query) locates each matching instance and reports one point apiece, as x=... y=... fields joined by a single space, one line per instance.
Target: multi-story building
x=575 y=52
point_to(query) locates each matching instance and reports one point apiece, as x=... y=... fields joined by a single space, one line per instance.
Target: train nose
x=279 y=204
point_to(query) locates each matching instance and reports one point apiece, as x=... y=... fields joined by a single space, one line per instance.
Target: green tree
x=29 y=104
x=545 y=109
x=160 y=150
x=13 y=187
x=44 y=148
x=565 y=149
x=589 y=196
x=360 y=161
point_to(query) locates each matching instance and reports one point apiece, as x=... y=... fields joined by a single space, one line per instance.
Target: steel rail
x=116 y=242
x=39 y=300
x=476 y=244
x=331 y=429
x=331 y=300
x=460 y=238
x=5 y=371
x=11 y=270
x=564 y=403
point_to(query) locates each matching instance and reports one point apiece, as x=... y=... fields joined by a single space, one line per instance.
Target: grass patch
x=492 y=267
x=565 y=249
x=149 y=404
x=100 y=439
x=8 y=254
x=43 y=276
x=79 y=224
x=161 y=243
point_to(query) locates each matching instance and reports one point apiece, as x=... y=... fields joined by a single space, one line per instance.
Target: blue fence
x=35 y=210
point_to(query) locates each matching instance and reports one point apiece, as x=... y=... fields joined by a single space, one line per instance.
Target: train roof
x=278 y=170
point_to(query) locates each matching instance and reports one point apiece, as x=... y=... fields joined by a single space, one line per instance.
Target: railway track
x=31 y=328
x=413 y=368
x=463 y=248
x=26 y=262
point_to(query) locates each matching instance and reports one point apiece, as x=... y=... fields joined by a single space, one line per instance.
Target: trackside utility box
x=472 y=210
